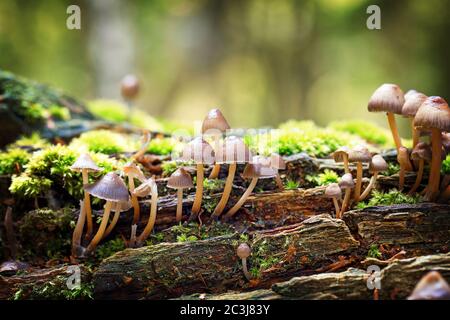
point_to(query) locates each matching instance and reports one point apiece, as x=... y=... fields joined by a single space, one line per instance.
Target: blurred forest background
x=261 y=61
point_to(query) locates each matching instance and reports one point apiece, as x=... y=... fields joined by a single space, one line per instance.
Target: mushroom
x=360 y=155
x=376 y=165
x=215 y=125
x=77 y=249
x=421 y=153
x=341 y=155
x=201 y=153
x=402 y=156
x=119 y=207
x=347 y=184
x=333 y=191
x=413 y=101
x=85 y=164
x=132 y=171
x=243 y=251
x=255 y=170
x=180 y=180
x=234 y=151
x=277 y=162
x=434 y=115
x=129 y=88
x=146 y=137
x=389 y=98
x=148 y=187
x=432 y=286
x=112 y=189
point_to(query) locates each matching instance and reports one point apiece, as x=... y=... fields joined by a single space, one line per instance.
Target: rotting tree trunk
x=172 y=269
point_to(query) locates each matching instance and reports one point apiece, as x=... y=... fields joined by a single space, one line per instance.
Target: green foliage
x=393 y=168
x=102 y=141
x=108 y=248
x=374 y=252
x=162 y=146
x=446 y=165
x=321 y=179
x=26 y=186
x=56 y=289
x=186 y=238
x=260 y=261
x=34 y=140
x=168 y=167
x=291 y=185
x=394 y=196
x=13 y=160
x=59 y=113
x=212 y=186
x=367 y=130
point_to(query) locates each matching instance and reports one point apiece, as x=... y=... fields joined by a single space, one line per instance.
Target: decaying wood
x=261 y=294
x=172 y=269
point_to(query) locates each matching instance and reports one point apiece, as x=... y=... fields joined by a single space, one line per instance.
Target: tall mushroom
x=347 y=184
x=341 y=155
x=277 y=162
x=234 y=151
x=119 y=207
x=112 y=189
x=255 y=170
x=434 y=115
x=77 y=249
x=215 y=125
x=360 y=155
x=132 y=171
x=243 y=251
x=333 y=191
x=421 y=153
x=148 y=187
x=432 y=286
x=376 y=165
x=413 y=101
x=85 y=164
x=201 y=152
x=389 y=98
x=129 y=88
x=180 y=180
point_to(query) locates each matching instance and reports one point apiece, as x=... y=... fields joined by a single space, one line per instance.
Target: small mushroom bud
x=129 y=87
x=243 y=252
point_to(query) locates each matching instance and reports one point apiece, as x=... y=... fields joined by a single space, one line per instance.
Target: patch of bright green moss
x=13 y=160
x=325 y=178
x=446 y=165
x=34 y=141
x=162 y=146
x=56 y=289
x=291 y=185
x=108 y=248
x=374 y=252
x=367 y=130
x=394 y=196
x=103 y=141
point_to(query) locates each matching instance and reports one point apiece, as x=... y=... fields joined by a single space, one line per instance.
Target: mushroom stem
x=418 y=177
x=245 y=270
x=132 y=242
x=279 y=182
x=87 y=203
x=415 y=134
x=394 y=130
x=113 y=222
x=78 y=231
x=435 y=172
x=215 y=171
x=199 y=191
x=336 y=207
x=346 y=201
x=151 y=219
x=241 y=201
x=101 y=230
x=346 y=165
x=226 y=191
x=359 y=174
x=369 y=188
x=179 y=204
x=134 y=200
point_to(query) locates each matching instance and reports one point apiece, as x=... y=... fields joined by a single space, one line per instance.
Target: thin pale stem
x=78 y=231
x=415 y=134
x=151 y=219
x=336 y=207
x=418 y=177
x=114 y=221
x=369 y=188
x=394 y=130
x=179 y=204
x=134 y=200
x=215 y=171
x=199 y=190
x=87 y=203
x=346 y=201
x=245 y=270
x=359 y=174
x=436 y=160
x=101 y=230
x=226 y=191
x=279 y=182
x=346 y=165
x=241 y=201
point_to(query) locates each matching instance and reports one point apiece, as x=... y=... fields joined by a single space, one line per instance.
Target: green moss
x=34 y=140
x=186 y=238
x=25 y=186
x=13 y=160
x=446 y=165
x=369 y=131
x=394 y=196
x=393 y=168
x=162 y=146
x=291 y=185
x=168 y=167
x=108 y=248
x=321 y=179
x=260 y=261
x=374 y=252
x=59 y=113
x=103 y=141
x=212 y=186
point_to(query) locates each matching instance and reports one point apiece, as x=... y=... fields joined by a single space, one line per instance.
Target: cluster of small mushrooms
x=120 y=197
x=430 y=117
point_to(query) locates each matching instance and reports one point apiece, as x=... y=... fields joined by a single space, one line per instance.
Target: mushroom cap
x=446 y=142
x=129 y=86
x=215 y=120
x=85 y=162
x=432 y=286
x=433 y=114
x=359 y=154
x=233 y=149
x=412 y=103
x=346 y=181
x=422 y=151
x=338 y=155
x=111 y=188
x=243 y=251
x=146 y=188
x=333 y=191
x=377 y=164
x=131 y=169
x=123 y=206
x=410 y=92
x=259 y=168
x=387 y=98
x=199 y=151
x=180 y=179
x=277 y=161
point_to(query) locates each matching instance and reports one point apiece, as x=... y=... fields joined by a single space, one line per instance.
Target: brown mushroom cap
x=146 y=188
x=259 y=168
x=233 y=150
x=111 y=188
x=433 y=114
x=377 y=164
x=387 y=98
x=412 y=103
x=129 y=86
x=180 y=179
x=215 y=120
x=123 y=206
x=277 y=161
x=346 y=181
x=422 y=151
x=338 y=155
x=431 y=287
x=359 y=154
x=85 y=162
x=130 y=168
x=410 y=93
x=199 y=151
x=446 y=142
x=333 y=191
x=243 y=251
